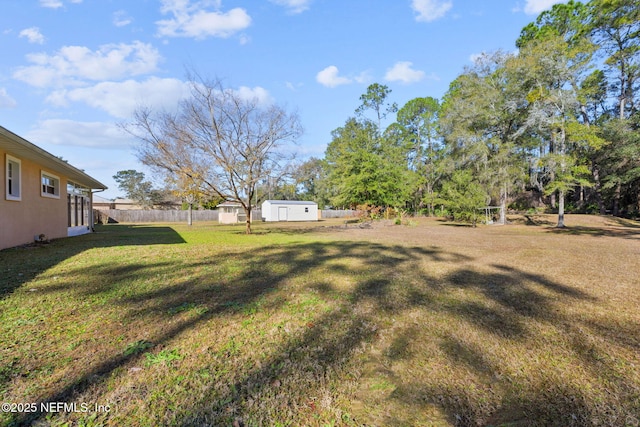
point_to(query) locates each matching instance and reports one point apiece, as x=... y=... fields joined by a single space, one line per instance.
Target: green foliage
x=136 y=188
x=623 y=154
x=310 y=181
x=210 y=203
x=188 y=306
x=165 y=356
x=365 y=168
x=418 y=126
x=585 y=136
x=464 y=197
x=482 y=119
x=565 y=20
x=376 y=99
x=541 y=121
x=137 y=347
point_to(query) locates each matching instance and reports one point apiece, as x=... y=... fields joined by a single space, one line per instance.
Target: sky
x=72 y=70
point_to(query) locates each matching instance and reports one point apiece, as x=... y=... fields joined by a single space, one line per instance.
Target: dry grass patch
x=318 y=324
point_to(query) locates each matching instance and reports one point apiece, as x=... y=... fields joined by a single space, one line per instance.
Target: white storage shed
x=289 y=210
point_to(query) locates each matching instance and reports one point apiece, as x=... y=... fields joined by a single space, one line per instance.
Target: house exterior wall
x=273 y=210
x=230 y=213
x=34 y=214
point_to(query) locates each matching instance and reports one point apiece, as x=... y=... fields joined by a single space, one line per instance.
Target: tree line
x=554 y=125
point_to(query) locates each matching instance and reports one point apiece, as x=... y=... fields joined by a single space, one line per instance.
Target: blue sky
x=72 y=69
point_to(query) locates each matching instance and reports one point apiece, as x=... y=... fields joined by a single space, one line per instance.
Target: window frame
x=56 y=187
x=12 y=196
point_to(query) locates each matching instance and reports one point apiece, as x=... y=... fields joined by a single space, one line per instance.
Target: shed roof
x=19 y=146
x=291 y=202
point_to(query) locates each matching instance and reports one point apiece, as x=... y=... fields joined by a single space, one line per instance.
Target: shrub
x=463 y=197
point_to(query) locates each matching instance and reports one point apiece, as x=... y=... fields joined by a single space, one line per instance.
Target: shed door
x=282 y=213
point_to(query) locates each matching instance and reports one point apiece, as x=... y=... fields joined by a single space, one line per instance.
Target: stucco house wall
x=230 y=213
x=35 y=212
x=22 y=220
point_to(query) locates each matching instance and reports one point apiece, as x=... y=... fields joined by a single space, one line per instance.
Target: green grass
x=311 y=325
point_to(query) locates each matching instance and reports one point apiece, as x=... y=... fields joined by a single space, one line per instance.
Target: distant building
x=231 y=213
x=42 y=196
x=122 y=204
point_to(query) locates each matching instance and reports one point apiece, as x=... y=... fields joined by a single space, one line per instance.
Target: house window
x=50 y=185
x=14 y=179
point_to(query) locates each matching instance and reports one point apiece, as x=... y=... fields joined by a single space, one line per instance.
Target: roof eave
x=31 y=151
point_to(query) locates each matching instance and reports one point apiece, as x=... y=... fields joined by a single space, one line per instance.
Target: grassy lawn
x=319 y=325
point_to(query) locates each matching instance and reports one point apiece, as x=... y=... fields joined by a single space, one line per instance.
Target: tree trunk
x=503 y=206
x=430 y=197
x=597 y=187
x=581 y=197
x=560 y=209
x=247 y=211
x=616 y=199
x=190 y=214
x=552 y=197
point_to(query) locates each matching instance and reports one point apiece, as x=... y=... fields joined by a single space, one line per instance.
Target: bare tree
x=219 y=138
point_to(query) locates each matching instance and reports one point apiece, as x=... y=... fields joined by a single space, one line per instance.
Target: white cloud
x=6 y=101
x=430 y=10
x=121 y=18
x=52 y=4
x=79 y=134
x=32 y=34
x=55 y=4
x=402 y=72
x=192 y=20
x=329 y=77
x=72 y=65
x=294 y=6
x=120 y=99
x=293 y=86
x=257 y=93
x=534 y=7
x=364 y=77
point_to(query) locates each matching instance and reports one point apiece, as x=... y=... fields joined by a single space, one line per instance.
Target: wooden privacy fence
x=153 y=215
x=157 y=215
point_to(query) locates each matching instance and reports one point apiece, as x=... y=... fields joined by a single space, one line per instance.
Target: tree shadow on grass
x=22 y=264
x=623 y=222
x=305 y=373
x=612 y=227
x=623 y=231
x=514 y=305
x=340 y=334
x=218 y=293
